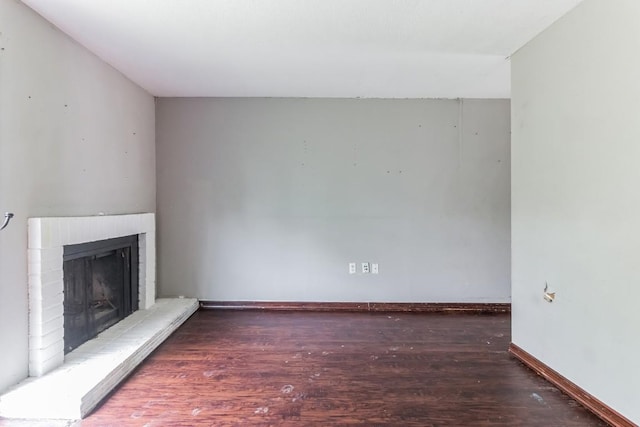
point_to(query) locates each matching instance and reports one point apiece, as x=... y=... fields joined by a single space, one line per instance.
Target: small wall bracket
x=7 y=218
x=548 y=296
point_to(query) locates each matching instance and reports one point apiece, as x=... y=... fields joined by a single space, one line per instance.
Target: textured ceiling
x=308 y=48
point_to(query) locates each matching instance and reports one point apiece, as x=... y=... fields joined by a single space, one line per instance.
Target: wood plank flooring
x=255 y=368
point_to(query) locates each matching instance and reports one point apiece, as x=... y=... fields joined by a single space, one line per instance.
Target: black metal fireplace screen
x=100 y=287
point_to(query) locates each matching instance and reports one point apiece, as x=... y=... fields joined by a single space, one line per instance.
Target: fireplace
x=49 y=239
x=100 y=287
x=68 y=385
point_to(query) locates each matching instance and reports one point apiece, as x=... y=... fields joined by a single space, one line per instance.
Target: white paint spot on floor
x=324 y=353
x=262 y=410
x=394 y=348
x=209 y=374
x=373 y=357
x=196 y=411
x=287 y=389
x=537 y=397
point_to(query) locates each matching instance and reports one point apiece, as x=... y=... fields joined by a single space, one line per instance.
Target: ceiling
x=308 y=48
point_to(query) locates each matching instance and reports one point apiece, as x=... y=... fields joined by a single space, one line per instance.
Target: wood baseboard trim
x=600 y=409
x=479 y=308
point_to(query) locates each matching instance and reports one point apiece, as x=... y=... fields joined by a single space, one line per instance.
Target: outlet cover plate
x=352 y=268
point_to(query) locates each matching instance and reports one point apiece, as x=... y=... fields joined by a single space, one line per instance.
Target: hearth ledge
x=95 y=368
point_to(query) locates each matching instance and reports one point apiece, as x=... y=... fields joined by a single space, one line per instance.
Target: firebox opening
x=100 y=287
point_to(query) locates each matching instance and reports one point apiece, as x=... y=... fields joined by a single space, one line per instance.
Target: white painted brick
x=39 y=367
x=142 y=297
x=53 y=312
x=41 y=355
x=53 y=300
x=52 y=259
x=44 y=341
x=84 y=234
x=54 y=232
x=53 y=276
x=150 y=297
x=94 y=346
x=65 y=232
x=90 y=231
x=46 y=293
x=150 y=222
x=47 y=327
x=111 y=227
x=41 y=314
x=150 y=262
x=139 y=223
x=75 y=233
x=45 y=233
x=35 y=283
x=36 y=369
x=101 y=230
x=34 y=256
x=96 y=229
x=55 y=351
x=34 y=227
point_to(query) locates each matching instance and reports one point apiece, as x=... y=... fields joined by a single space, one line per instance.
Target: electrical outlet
x=374 y=268
x=365 y=268
x=352 y=268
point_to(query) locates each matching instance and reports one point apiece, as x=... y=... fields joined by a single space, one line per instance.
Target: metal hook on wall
x=7 y=218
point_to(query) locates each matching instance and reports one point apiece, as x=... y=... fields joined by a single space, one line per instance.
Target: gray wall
x=576 y=203
x=76 y=138
x=269 y=199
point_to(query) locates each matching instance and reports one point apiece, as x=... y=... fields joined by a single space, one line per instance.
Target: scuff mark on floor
x=137 y=414
x=537 y=397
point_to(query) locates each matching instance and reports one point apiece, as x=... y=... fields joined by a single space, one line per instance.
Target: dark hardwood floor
x=271 y=368
x=227 y=368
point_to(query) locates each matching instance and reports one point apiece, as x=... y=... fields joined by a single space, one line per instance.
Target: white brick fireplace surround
x=70 y=386
x=47 y=238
